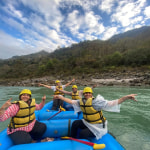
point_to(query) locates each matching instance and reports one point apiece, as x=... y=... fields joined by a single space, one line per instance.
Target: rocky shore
x=127 y=78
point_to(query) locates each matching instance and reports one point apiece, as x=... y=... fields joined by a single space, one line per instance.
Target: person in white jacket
x=93 y=124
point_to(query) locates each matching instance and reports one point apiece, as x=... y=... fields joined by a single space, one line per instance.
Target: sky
x=29 y=26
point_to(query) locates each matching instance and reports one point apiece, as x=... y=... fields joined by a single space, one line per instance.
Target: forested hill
x=129 y=49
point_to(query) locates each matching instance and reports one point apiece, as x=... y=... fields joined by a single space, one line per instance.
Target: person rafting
x=75 y=94
x=93 y=124
x=57 y=103
x=23 y=127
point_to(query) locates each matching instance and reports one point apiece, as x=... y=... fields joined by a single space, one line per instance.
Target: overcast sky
x=29 y=26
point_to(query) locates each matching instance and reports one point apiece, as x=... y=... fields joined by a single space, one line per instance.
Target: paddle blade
x=62 y=109
x=65 y=137
x=98 y=146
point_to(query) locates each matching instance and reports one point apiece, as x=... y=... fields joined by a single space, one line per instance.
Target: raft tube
x=55 y=145
x=47 y=114
x=57 y=129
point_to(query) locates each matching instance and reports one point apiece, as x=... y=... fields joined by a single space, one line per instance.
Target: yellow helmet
x=87 y=89
x=57 y=81
x=25 y=91
x=74 y=86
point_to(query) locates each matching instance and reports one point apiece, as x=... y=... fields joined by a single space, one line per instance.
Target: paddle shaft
x=94 y=145
x=81 y=141
x=54 y=115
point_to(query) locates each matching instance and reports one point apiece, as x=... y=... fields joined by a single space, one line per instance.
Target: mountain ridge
x=127 y=50
x=138 y=32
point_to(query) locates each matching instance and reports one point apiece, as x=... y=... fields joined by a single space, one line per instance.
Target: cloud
x=84 y=27
x=37 y=32
x=11 y=10
x=107 y=6
x=48 y=10
x=73 y=22
x=147 y=12
x=127 y=11
x=12 y=46
x=110 y=32
x=36 y=25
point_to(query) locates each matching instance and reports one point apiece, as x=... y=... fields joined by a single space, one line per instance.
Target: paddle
x=94 y=145
x=60 y=110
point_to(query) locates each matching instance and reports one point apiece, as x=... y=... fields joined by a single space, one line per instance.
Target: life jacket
x=24 y=116
x=58 y=92
x=75 y=96
x=90 y=114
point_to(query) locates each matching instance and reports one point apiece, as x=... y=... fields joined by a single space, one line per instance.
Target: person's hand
x=39 y=84
x=6 y=104
x=73 y=79
x=57 y=97
x=44 y=98
x=131 y=96
x=94 y=86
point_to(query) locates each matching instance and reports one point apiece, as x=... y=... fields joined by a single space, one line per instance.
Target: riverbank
x=125 y=78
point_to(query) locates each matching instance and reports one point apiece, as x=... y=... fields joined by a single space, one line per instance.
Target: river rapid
x=130 y=126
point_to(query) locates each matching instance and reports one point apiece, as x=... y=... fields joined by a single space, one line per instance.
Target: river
x=130 y=126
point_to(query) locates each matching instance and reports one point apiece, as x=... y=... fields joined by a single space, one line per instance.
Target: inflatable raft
x=58 y=125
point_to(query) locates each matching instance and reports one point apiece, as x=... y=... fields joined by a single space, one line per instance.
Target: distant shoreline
x=103 y=79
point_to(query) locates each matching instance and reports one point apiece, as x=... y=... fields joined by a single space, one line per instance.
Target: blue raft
x=58 y=126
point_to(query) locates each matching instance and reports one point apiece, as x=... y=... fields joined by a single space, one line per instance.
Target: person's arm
x=65 y=92
x=5 y=106
x=81 y=93
x=63 y=98
x=47 y=86
x=69 y=82
x=11 y=111
x=113 y=105
x=121 y=100
x=94 y=86
x=40 y=106
x=43 y=100
x=124 y=98
x=74 y=103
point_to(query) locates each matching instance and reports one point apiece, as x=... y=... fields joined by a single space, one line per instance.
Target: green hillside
x=127 y=50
